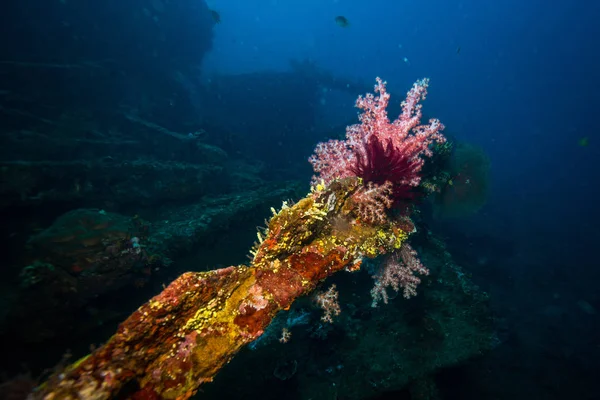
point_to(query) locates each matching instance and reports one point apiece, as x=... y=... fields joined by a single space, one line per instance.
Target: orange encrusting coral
x=183 y=336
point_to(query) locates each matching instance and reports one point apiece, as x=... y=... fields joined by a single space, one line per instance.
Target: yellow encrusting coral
x=202 y=319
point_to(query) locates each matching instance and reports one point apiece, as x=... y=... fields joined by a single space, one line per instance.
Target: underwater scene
x=299 y=199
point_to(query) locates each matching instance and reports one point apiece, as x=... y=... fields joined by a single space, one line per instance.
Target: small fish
x=405 y=59
x=215 y=16
x=342 y=21
x=584 y=141
x=458 y=50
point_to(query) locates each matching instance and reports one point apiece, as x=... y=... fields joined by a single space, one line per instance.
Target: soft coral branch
x=400 y=271
x=378 y=150
x=373 y=201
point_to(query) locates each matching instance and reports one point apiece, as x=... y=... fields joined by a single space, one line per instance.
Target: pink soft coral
x=380 y=151
x=400 y=271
